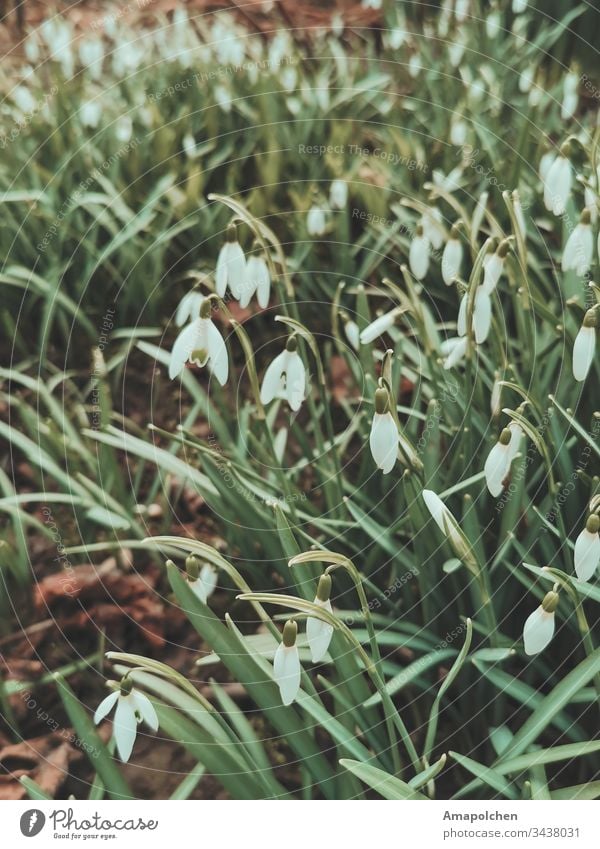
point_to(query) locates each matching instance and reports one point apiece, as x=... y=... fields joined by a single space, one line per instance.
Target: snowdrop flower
x=579 y=249
x=315 y=221
x=519 y=6
x=526 y=79
x=418 y=255
x=91 y=54
x=459 y=130
x=443 y=518
x=318 y=632
x=570 y=96
x=493 y=22
x=539 y=627
x=482 y=315
x=452 y=257
x=516 y=435
x=257 y=280
x=90 y=113
x=557 y=183
x=456 y=353
x=378 y=327
x=585 y=345
x=24 y=100
x=223 y=98
x=432 y=223
x=545 y=164
x=456 y=51
x=286 y=664
x=200 y=343
x=132 y=707
x=384 y=437
x=285 y=378
x=231 y=266
x=494 y=266
x=352 y=332
x=32 y=49
x=414 y=65
x=497 y=465
x=448 y=182
x=202 y=580
x=189 y=308
x=189 y=146
x=587 y=549
x=461 y=10
x=371 y=4
x=338 y=194
x=124 y=129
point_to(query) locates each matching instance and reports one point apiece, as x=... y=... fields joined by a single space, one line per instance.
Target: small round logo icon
x=32 y=822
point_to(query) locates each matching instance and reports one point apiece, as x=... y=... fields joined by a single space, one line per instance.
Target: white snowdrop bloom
x=494 y=266
x=539 y=627
x=223 y=98
x=456 y=51
x=371 y=4
x=432 y=222
x=519 y=6
x=461 y=10
x=459 y=130
x=493 y=23
x=378 y=327
x=557 y=185
x=536 y=93
x=414 y=65
x=23 y=99
x=200 y=343
x=257 y=280
x=452 y=257
x=587 y=549
x=288 y=76
x=497 y=464
x=231 y=266
x=570 y=96
x=526 y=79
x=32 y=49
x=482 y=315
x=228 y=46
x=189 y=146
x=584 y=348
x=443 y=518
x=418 y=254
x=189 y=308
x=132 y=707
x=202 y=580
x=315 y=221
x=285 y=378
x=286 y=664
x=579 y=249
x=448 y=182
x=123 y=129
x=90 y=113
x=384 y=437
x=396 y=38
x=91 y=55
x=516 y=435
x=338 y=194
x=545 y=164
x=319 y=633
x=457 y=353
x=352 y=333
x=476 y=91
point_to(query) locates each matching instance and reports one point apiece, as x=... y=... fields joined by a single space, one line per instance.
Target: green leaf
x=382 y=782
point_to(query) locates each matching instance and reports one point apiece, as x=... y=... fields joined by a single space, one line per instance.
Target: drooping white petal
x=125 y=726
x=263 y=282
x=145 y=708
x=557 y=185
x=221 y=272
x=587 y=554
x=352 y=334
x=189 y=308
x=272 y=379
x=236 y=267
x=456 y=354
x=545 y=163
x=418 y=256
x=436 y=508
x=191 y=338
x=516 y=435
x=461 y=322
x=482 y=315
x=451 y=260
x=570 y=97
x=433 y=227
x=338 y=194
x=315 y=221
x=249 y=283
x=319 y=633
x=579 y=250
x=583 y=352
x=378 y=327
x=105 y=706
x=538 y=630
x=295 y=380
x=492 y=272
x=286 y=668
x=208 y=576
x=496 y=468
x=218 y=361
x=383 y=441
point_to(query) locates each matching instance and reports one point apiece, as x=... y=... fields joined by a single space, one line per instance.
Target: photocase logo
x=32 y=822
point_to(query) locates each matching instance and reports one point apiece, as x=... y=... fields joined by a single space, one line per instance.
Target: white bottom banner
x=316 y=824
